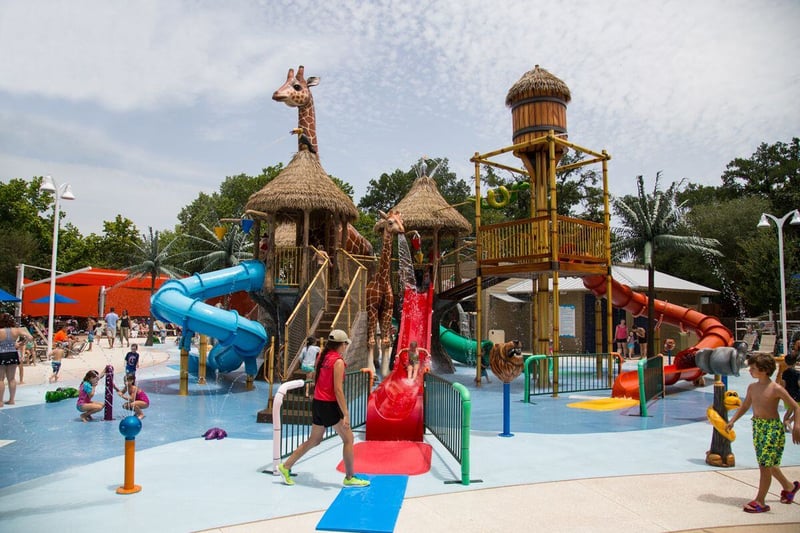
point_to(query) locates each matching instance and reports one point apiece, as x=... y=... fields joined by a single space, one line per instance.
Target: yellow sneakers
x=286 y=473
x=355 y=482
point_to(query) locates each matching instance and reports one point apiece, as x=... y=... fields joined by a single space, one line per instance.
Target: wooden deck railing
x=355 y=298
x=307 y=311
x=529 y=241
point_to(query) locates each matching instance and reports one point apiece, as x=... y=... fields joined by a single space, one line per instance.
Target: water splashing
x=406 y=267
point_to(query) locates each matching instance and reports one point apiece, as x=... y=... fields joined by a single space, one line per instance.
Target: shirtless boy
x=769 y=438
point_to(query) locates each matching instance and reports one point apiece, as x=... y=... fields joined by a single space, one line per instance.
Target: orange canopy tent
x=92 y=289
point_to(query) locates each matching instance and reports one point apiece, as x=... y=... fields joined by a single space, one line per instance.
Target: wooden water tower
x=538 y=103
x=545 y=244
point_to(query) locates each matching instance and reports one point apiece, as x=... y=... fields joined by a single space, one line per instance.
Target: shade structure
x=8 y=297
x=58 y=298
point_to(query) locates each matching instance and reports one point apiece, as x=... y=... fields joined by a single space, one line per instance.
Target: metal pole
x=784 y=337
x=60 y=193
x=53 y=258
x=763 y=223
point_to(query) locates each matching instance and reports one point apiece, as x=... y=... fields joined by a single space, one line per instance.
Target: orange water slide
x=710 y=330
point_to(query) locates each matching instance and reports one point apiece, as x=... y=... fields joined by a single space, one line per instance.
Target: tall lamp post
x=764 y=223
x=64 y=192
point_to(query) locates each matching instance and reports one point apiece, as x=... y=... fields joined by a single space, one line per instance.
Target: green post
x=466 y=415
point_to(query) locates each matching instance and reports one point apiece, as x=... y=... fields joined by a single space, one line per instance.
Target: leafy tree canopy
x=387 y=191
x=773 y=171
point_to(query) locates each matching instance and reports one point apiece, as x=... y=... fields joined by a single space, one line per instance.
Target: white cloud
x=179 y=91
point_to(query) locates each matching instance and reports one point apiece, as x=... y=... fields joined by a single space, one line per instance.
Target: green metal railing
x=560 y=373
x=448 y=411
x=296 y=411
x=651 y=381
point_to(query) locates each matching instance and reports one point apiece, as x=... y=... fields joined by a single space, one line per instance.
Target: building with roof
x=581 y=320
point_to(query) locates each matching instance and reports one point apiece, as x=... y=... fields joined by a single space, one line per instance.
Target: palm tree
x=153 y=261
x=649 y=223
x=235 y=246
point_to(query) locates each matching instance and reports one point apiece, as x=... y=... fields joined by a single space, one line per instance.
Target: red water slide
x=710 y=330
x=395 y=409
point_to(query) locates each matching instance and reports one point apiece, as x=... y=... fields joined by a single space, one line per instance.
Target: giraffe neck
x=306 y=119
x=386 y=256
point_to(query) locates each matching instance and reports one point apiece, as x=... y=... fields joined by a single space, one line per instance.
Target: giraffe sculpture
x=380 y=299
x=295 y=93
x=356 y=243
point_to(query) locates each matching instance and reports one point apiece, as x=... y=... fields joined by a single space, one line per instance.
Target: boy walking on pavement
x=769 y=438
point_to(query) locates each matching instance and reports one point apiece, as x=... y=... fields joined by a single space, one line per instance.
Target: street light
x=63 y=192
x=764 y=223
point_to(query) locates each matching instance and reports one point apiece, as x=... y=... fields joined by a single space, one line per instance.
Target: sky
x=142 y=105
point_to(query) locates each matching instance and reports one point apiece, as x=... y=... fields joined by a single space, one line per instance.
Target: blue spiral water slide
x=240 y=340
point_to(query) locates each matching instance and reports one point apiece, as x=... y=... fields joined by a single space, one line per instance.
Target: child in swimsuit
x=412 y=368
x=87 y=389
x=55 y=363
x=769 y=438
x=135 y=398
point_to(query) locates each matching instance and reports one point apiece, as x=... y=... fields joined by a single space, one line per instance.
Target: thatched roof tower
x=538 y=102
x=537 y=82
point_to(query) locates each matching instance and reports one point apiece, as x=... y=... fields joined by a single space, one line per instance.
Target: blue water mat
x=372 y=509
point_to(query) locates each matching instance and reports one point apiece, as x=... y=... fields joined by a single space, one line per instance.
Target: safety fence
x=296 y=411
x=448 y=411
x=562 y=373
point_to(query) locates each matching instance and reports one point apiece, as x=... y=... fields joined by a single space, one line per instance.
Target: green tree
x=229 y=202
x=773 y=171
x=650 y=222
x=733 y=224
x=119 y=239
x=26 y=222
x=152 y=258
x=344 y=186
x=387 y=191
x=235 y=246
x=577 y=193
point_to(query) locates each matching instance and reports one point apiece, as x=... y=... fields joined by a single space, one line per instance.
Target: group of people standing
x=628 y=339
x=119 y=326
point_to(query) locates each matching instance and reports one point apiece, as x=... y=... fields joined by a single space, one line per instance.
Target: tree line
x=745 y=271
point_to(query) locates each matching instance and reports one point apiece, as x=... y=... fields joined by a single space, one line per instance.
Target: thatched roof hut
x=302 y=186
x=425 y=210
x=305 y=198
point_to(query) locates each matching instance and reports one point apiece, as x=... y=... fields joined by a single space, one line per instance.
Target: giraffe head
x=393 y=222
x=294 y=92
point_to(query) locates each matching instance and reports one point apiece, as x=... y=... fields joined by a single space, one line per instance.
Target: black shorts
x=9 y=358
x=325 y=414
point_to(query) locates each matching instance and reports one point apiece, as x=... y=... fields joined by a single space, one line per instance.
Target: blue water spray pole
x=506 y=411
x=130 y=426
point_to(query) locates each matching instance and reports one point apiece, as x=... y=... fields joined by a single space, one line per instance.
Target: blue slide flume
x=239 y=339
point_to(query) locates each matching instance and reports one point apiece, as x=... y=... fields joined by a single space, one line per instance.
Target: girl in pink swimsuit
x=135 y=398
